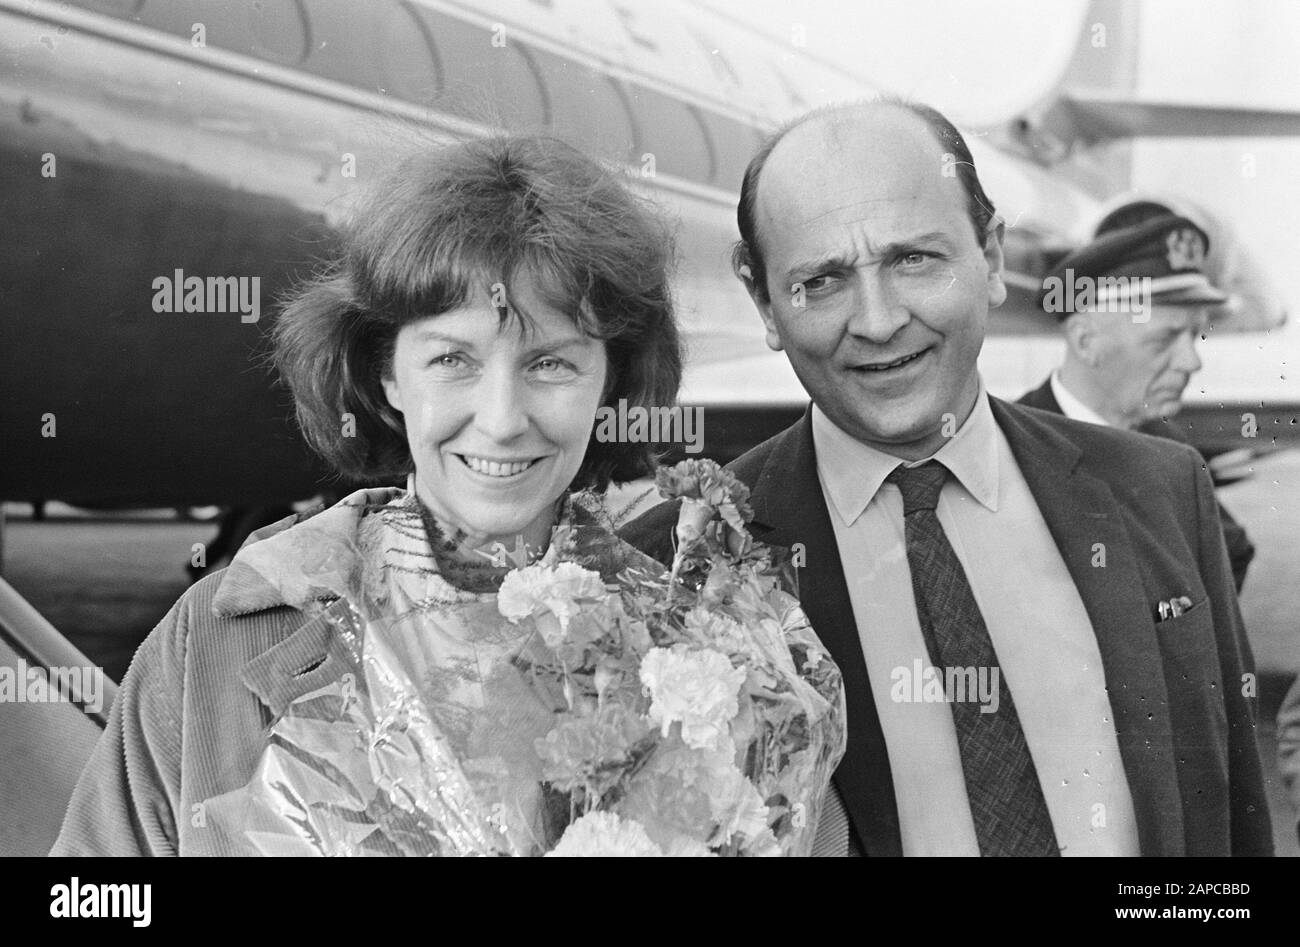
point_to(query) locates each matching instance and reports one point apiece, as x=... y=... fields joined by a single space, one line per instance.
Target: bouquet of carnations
x=597 y=704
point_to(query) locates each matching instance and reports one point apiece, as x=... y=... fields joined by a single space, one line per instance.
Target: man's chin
x=1163 y=410
x=910 y=442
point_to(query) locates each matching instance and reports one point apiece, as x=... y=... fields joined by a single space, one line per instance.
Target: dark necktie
x=1006 y=800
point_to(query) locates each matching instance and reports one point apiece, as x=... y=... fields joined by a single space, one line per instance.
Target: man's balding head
x=748 y=259
x=875 y=281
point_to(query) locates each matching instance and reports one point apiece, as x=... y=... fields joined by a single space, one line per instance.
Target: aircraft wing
x=1089 y=119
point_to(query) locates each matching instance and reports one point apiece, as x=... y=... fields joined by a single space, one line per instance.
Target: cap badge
x=1186 y=249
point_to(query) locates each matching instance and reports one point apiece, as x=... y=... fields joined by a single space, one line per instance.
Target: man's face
x=879 y=291
x=1141 y=369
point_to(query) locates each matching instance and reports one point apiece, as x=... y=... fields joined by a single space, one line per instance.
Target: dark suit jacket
x=1185 y=731
x=1240 y=548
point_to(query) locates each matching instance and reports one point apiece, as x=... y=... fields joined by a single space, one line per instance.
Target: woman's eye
x=451 y=361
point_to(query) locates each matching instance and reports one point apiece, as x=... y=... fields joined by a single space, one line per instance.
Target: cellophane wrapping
x=583 y=709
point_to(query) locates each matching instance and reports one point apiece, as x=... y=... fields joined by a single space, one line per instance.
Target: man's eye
x=815 y=283
x=914 y=258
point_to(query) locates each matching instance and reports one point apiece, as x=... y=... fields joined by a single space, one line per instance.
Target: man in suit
x=1065 y=582
x=1288 y=747
x=1132 y=304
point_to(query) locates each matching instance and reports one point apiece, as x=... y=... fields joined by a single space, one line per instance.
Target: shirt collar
x=852 y=472
x=1071 y=406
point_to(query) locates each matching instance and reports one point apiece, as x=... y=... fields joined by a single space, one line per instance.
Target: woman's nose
x=501 y=408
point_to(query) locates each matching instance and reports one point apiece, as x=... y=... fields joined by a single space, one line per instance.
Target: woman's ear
x=607 y=388
x=392 y=392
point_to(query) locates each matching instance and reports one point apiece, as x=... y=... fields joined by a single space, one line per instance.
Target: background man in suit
x=1132 y=304
x=1288 y=747
x=1066 y=583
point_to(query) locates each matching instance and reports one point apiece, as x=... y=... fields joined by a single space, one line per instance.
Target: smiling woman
x=524 y=229
x=498 y=417
x=491 y=297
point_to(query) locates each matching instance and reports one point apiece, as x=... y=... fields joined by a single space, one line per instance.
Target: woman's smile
x=497 y=469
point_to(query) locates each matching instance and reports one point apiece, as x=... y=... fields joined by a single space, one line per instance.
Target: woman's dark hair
x=438 y=233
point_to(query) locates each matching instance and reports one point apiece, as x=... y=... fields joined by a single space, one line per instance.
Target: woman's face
x=497 y=417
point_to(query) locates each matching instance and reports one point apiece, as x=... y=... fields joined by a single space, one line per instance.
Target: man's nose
x=501 y=406
x=877 y=313
x=1186 y=357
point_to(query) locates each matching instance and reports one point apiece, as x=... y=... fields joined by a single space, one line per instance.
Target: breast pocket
x=1188 y=648
x=1194 y=681
x=1198 y=713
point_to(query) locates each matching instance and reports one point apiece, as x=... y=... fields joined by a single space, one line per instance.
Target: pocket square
x=1172 y=608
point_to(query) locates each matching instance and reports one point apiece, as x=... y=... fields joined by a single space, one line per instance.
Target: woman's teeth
x=494 y=469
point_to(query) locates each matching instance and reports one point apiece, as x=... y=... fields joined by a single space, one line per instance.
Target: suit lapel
x=1086 y=521
x=789 y=509
x=1042 y=398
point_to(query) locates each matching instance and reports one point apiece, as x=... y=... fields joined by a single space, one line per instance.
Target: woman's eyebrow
x=564 y=342
x=433 y=335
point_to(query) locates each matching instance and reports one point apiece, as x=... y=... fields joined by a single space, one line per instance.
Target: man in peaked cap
x=1132 y=303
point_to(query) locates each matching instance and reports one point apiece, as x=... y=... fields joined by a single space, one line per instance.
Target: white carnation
x=605 y=835
x=737 y=806
x=697 y=688
x=683 y=847
x=559 y=590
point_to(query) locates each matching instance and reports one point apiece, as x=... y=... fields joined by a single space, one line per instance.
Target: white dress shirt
x=1042 y=634
x=1071 y=406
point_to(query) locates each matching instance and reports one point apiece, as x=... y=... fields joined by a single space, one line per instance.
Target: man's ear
x=763 y=304
x=993 y=259
x=1082 y=338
